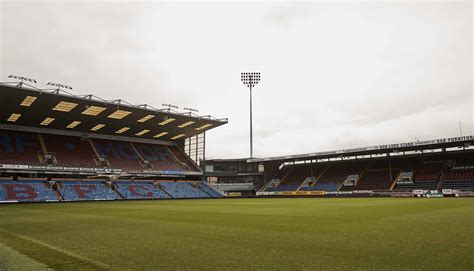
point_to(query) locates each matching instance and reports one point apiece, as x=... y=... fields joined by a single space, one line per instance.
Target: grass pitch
x=244 y=234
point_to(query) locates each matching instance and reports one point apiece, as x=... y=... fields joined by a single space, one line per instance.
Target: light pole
x=250 y=79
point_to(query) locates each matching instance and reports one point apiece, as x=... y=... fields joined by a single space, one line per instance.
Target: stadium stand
x=280 y=175
x=74 y=140
x=125 y=143
x=70 y=151
x=183 y=190
x=464 y=160
x=183 y=159
x=292 y=177
x=322 y=187
x=428 y=172
x=336 y=174
x=159 y=157
x=293 y=180
x=374 y=180
x=119 y=155
x=208 y=190
x=20 y=148
x=88 y=190
x=463 y=174
x=375 y=175
x=459 y=178
x=83 y=190
x=425 y=176
x=140 y=190
x=26 y=191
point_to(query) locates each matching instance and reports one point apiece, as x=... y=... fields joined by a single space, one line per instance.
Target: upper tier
x=31 y=149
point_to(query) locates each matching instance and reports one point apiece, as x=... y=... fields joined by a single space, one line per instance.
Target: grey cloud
x=335 y=75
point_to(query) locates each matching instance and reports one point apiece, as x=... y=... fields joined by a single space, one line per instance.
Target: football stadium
x=362 y=159
x=91 y=184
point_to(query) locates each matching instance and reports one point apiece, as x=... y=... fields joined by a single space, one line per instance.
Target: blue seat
x=140 y=190
x=213 y=193
x=26 y=191
x=283 y=187
x=94 y=190
x=183 y=190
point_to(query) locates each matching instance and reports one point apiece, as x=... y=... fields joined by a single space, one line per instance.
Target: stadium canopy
x=462 y=142
x=25 y=105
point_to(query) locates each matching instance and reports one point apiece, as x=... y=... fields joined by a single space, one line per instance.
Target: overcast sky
x=334 y=74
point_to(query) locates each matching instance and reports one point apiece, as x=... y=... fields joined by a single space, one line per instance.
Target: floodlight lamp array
x=22 y=78
x=58 y=85
x=170 y=106
x=190 y=109
x=250 y=79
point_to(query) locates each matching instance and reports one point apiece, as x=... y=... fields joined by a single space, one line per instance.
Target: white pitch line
x=103 y=265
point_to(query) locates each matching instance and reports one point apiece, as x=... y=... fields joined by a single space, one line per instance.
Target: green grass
x=248 y=234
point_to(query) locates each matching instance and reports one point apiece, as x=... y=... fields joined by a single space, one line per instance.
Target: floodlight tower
x=190 y=110
x=59 y=88
x=169 y=106
x=22 y=78
x=250 y=79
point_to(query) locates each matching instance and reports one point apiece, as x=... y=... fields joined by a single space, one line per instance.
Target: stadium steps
x=188 y=158
x=42 y=143
x=265 y=186
x=282 y=180
x=185 y=156
x=164 y=190
x=175 y=158
x=358 y=178
x=114 y=188
x=394 y=181
x=316 y=179
x=136 y=151
x=440 y=180
x=213 y=189
x=364 y=172
x=58 y=194
x=199 y=187
x=40 y=158
x=140 y=157
x=303 y=184
x=45 y=150
x=340 y=186
x=270 y=181
x=94 y=149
